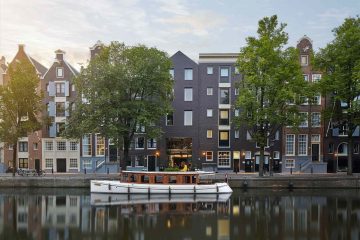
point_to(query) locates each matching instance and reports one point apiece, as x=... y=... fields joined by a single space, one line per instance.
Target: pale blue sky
x=193 y=27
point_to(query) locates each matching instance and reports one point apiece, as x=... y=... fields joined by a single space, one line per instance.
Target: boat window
x=172 y=179
x=194 y=179
x=132 y=178
x=158 y=179
x=187 y=179
x=144 y=179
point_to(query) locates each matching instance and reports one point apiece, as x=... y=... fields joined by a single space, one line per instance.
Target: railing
x=304 y=166
x=99 y=163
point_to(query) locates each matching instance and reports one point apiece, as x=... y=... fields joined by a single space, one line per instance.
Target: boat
x=101 y=199
x=141 y=182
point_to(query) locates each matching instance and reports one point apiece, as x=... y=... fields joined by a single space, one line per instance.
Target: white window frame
x=304 y=124
x=276 y=155
x=289 y=163
x=236 y=91
x=98 y=145
x=73 y=146
x=188 y=94
x=316 y=77
x=302 y=145
x=208 y=154
x=247 y=154
x=209 y=112
x=49 y=163
x=188 y=74
x=287 y=152
x=87 y=164
x=306 y=63
x=137 y=143
x=71 y=163
x=172 y=73
x=58 y=70
x=209 y=91
x=148 y=142
x=312 y=119
x=60 y=145
x=237 y=112
x=236 y=134
x=49 y=146
x=189 y=114
x=209 y=70
x=223 y=72
x=89 y=145
x=306 y=77
x=209 y=134
x=220 y=157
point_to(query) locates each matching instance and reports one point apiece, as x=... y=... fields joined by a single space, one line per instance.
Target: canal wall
x=235 y=181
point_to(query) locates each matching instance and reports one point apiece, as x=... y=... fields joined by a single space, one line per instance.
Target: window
x=188 y=94
x=87 y=164
x=23 y=163
x=316 y=78
x=139 y=161
x=60 y=109
x=209 y=133
x=302 y=144
x=188 y=74
x=304 y=119
x=224 y=117
x=73 y=146
x=236 y=70
x=151 y=143
x=140 y=128
x=315 y=138
x=210 y=70
x=73 y=163
x=59 y=72
x=236 y=91
x=209 y=112
x=224 y=97
x=73 y=200
x=35 y=146
x=331 y=148
x=276 y=155
x=209 y=91
x=61 y=145
x=304 y=60
x=49 y=163
x=356 y=148
x=86 y=145
x=139 y=143
x=290 y=144
x=60 y=127
x=317 y=100
x=209 y=156
x=248 y=155
x=289 y=163
x=224 y=159
x=169 y=119
x=343 y=130
x=303 y=100
x=237 y=134
x=237 y=112
x=315 y=119
x=100 y=145
x=187 y=118
x=73 y=87
x=277 y=135
x=49 y=146
x=172 y=73
x=248 y=135
x=224 y=139
x=60 y=89
x=23 y=146
x=224 y=72
x=306 y=77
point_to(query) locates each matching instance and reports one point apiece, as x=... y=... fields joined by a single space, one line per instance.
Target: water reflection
x=75 y=214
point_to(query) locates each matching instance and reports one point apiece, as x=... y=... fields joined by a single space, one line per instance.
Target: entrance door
x=236 y=165
x=257 y=163
x=61 y=164
x=315 y=152
x=248 y=165
x=151 y=163
x=37 y=165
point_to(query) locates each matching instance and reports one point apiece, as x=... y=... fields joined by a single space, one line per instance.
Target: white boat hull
x=104 y=186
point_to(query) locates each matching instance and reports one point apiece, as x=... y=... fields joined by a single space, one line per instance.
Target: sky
x=191 y=26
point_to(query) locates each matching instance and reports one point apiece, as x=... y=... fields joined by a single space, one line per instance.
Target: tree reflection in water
x=265 y=214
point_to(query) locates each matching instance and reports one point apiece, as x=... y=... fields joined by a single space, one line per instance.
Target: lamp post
x=157 y=154
x=336 y=162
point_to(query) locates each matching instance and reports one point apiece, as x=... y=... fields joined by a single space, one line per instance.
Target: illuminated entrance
x=179 y=150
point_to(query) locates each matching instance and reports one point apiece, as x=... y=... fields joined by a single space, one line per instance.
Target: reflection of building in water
x=60 y=214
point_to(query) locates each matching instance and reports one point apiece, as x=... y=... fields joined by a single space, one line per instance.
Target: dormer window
x=59 y=72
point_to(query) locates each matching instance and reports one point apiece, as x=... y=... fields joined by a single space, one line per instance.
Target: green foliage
x=340 y=63
x=122 y=88
x=172 y=169
x=272 y=79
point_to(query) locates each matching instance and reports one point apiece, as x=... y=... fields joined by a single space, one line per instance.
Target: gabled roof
x=39 y=67
x=182 y=55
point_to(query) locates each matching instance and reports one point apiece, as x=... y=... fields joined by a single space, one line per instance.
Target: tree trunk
x=14 y=159
x=126 y=153
x=350 y=151
x=261 y=162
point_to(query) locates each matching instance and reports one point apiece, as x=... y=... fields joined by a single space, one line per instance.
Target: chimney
x=95 y=50
x=2 y=60
x=59 y=54
x=21 y=47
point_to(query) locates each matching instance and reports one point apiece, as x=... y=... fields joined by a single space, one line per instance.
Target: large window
x=139 y=143
x=316 y=78
x=23 y=163
x=304 y=119
x=61 y=145
x=224 y=117
x=49 y=163
x=315 y=119
x=188 y=74
x=224 y=159
x=86 y=145
x=317 y=99
x=188 y=94
x=224 y=97
x=224 y=140
x=302 y=144
x=49 y=146
x=73 y=163
x=187 y=118
x=60 y=89
x=169 y=119
x=87 y=163
x=290 y=144
x=224 y=75
x=100 y=145
x=73 y=146
x=60 y=109
x=151 y=143
x=23 y=146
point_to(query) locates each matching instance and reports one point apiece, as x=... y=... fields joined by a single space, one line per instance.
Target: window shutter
x=52 y=130
x=335 y=132
x=51 y=89
x=52 y=109
x=67 y=88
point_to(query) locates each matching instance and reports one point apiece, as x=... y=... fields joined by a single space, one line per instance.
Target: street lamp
x=157 y=154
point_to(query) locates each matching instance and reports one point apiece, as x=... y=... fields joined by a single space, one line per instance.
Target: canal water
x=253 y=214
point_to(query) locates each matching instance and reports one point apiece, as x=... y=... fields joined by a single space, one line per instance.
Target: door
x=248 y=165
x=315 y=152
x=151 y=163
x=236 y=165
x=61 y=164
x=37 y=165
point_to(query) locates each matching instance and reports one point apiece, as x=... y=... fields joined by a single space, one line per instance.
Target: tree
x=272 y=79
x=20 y=104
x=122 y=89
x=340 y=62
